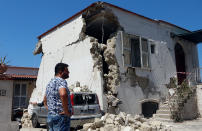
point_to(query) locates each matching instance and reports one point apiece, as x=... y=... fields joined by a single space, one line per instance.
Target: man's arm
x=45 y=102
x=64 y=99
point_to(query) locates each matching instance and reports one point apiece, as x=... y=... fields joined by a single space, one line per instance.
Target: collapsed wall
x=111 y=76
x=103 y=25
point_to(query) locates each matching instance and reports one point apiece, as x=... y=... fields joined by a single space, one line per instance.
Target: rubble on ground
x=112 y=103
x=124 y=122
x=26 y=119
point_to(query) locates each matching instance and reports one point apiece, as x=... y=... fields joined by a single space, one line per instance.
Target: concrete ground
x=193 y=125
x=33 y=129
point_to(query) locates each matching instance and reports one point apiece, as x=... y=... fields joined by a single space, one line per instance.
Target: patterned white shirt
x=53 y=97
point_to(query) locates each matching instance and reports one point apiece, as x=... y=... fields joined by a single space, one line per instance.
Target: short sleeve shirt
x=53 y=97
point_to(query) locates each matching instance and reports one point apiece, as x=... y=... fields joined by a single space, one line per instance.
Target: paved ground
x=33 y=129
x=194 y=125
x=43 y=128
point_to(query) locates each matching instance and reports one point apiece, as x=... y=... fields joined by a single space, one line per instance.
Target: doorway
x=180 y=63
x=149 y=108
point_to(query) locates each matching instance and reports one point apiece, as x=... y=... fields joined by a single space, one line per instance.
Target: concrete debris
x=109 y=22
x=113 y=77
x=26 y=119
x=78 y=88
x=112 y=100
x=38 y=48
x=106 y=53
x=96 y=53
x=124 y=122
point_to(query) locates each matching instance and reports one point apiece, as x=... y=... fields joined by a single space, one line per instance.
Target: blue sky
x=21 y=21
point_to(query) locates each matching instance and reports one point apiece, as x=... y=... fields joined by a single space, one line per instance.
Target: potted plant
x=3 y=65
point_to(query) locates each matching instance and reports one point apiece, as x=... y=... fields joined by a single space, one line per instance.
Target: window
x=2 y=92
x=145 y=52
x=19 y=95
x=152 y=49
x=135 y=51
x=82 y=99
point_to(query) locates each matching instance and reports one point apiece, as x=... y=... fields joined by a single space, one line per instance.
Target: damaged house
x=16 y=86
x=126 y=58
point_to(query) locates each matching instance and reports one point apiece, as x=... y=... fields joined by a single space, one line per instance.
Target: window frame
x=19 y=104
x=145 y=53
x=148 y=53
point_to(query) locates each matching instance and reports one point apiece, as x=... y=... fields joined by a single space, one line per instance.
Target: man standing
x=57 y=100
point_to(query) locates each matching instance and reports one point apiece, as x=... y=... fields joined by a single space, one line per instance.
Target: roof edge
x=125 y=10
x=80 y=12
x=18 y=67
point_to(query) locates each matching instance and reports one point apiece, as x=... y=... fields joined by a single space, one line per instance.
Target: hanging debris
x=101 y=54
x=96 y=53
x=101 y=23
x=113 y=77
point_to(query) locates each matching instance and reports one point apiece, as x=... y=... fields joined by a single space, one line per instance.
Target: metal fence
x=195 y=76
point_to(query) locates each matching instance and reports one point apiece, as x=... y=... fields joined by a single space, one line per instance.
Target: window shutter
x=126 y=49
x=145 y=52
x=135 y=51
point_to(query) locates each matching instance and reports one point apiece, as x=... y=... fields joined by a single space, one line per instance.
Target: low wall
x=190 y=110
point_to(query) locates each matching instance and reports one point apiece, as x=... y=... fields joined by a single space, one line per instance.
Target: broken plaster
x=112 y=79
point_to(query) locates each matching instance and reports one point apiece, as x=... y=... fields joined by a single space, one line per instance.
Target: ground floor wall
x=133 y=97
x=190 y=110
x=6 y=95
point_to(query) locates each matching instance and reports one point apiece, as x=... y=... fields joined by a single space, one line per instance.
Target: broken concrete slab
x=125 y=122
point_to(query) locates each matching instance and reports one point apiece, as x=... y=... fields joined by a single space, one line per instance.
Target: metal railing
x=194 y=77
x=198 y=77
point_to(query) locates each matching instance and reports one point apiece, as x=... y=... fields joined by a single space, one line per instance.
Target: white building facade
x=115 y=51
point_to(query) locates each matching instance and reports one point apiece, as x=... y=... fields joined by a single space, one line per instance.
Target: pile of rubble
x=112 y=103
x=26 y=119
x=124 y=122
x=78 y=88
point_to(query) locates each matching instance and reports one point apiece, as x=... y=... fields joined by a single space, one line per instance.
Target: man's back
x=53 y=97
x=57 y=100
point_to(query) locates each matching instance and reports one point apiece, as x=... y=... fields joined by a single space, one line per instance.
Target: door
x=180 y=63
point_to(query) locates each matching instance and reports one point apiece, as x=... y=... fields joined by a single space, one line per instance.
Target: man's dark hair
x=60 y=67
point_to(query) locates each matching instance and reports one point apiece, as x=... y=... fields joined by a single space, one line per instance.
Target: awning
x=195 y=36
